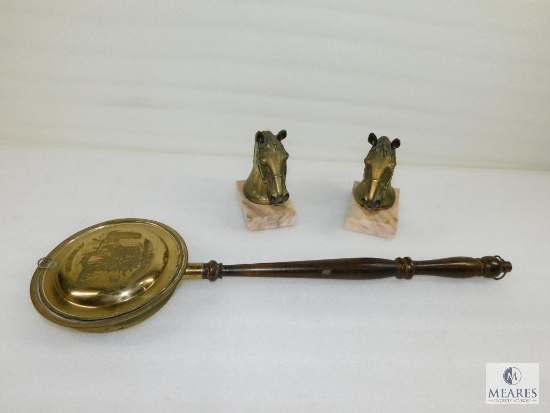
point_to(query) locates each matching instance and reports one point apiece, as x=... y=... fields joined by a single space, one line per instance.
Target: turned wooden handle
x=364 y=268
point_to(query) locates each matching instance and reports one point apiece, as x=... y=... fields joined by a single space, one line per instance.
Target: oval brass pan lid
x=110 y=275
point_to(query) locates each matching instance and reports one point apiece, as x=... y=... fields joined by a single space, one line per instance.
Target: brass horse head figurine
x=266 y=183
x=375 y=192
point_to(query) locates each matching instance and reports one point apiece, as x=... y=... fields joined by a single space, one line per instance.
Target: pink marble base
x=260 y=217
x=381 y=223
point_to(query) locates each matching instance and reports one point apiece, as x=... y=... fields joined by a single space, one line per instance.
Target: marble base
x=381 y=223
x=260 y=217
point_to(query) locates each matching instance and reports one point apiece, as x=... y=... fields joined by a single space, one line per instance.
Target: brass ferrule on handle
x=203 y=271
x=357 y=268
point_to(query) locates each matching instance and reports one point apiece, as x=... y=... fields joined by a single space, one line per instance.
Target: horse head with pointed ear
x=375 y=192
x=267 y=181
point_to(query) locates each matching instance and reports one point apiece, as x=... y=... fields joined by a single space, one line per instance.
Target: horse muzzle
x=278 y=194
x=371 y=205
x=279 y=199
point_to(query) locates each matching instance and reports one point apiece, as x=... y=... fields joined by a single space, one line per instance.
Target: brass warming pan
x=117 y=273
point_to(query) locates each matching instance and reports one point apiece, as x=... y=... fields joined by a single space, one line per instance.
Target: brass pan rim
x=136 y=294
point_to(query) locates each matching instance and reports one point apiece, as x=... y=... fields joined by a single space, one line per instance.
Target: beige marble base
x=260 y=217
x=381 y=223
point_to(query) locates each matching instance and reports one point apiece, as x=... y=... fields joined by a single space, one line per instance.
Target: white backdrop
x=461 y=83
